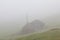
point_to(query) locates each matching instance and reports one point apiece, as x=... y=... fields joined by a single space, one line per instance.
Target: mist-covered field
x=53 y=34
x=29 y=19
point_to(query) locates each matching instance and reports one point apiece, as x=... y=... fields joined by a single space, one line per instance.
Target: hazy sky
x=13 y=12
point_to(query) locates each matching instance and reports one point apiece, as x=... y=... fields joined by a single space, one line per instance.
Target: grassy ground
x=53 y=34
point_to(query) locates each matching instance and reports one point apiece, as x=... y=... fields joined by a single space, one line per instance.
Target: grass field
x=53 y=34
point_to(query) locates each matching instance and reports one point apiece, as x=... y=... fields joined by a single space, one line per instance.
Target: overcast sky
x=13 y=12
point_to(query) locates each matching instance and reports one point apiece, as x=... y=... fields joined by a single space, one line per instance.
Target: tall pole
x=27 y=18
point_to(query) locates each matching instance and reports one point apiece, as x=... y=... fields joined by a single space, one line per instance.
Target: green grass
x=53 y=34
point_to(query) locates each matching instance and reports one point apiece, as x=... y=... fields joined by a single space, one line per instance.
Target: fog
x=13 y=13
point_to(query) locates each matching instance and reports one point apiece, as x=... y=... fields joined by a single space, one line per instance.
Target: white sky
x=13 y=12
